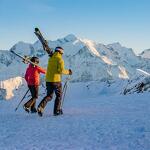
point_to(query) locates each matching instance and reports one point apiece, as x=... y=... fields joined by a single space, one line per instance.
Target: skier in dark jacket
x=32 y=78
x=54 y=71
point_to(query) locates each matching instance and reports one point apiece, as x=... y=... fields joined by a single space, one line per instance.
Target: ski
x=43 y=41
x=25 y=59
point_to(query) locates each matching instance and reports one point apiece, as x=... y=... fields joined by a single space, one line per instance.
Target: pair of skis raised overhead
x=43 y=41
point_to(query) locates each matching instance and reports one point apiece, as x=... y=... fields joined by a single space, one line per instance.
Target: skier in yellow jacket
x=55 y=69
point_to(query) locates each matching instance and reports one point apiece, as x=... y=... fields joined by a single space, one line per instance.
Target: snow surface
x=94 y=119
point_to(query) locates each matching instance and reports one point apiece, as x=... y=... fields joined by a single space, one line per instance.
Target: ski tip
x=36 y=29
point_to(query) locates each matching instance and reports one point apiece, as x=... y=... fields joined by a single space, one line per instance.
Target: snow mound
x=8 y=86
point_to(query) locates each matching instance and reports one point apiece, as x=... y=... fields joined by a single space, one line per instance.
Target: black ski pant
x=34 y=93
x=51 y=88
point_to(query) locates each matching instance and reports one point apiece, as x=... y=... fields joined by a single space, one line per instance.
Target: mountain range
x=89 y=60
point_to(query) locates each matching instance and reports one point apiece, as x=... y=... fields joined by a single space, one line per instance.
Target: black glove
x=70 y=72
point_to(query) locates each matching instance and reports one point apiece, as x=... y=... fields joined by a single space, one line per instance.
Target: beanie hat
x=35 y=59
x=59 y=49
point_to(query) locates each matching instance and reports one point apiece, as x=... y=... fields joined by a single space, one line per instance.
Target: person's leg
x=28 y=103
x=35 y=96
x=57 y=103
x=48 y=97
x=31 y=103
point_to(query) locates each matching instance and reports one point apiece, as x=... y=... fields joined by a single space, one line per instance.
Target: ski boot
x=59 y=112
x=26 y=109
x=40 y=111
x=33 y=110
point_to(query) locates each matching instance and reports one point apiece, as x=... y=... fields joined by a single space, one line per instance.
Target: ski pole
x=21 y=100
x=64 y=91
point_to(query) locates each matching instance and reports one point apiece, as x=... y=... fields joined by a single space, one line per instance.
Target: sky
x=103 y=21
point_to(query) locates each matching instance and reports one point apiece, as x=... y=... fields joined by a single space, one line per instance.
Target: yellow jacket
x=55 y=68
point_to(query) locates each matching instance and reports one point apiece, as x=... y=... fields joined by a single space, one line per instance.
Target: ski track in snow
x=89 y=123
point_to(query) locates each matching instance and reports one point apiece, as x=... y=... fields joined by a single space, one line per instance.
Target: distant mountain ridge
x=89 y=60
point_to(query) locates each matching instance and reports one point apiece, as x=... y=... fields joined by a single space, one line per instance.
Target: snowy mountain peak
x=21 y=43
x=70 y=38
x=115 y=45
x=23 y=48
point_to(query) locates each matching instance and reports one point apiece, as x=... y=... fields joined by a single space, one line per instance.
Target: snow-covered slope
x=137 y=85
x=90 y=122
x=145 y=54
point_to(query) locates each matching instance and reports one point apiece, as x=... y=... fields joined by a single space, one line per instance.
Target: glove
x=70 y=72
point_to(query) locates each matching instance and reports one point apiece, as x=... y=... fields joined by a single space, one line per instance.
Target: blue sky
x=104 y=21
